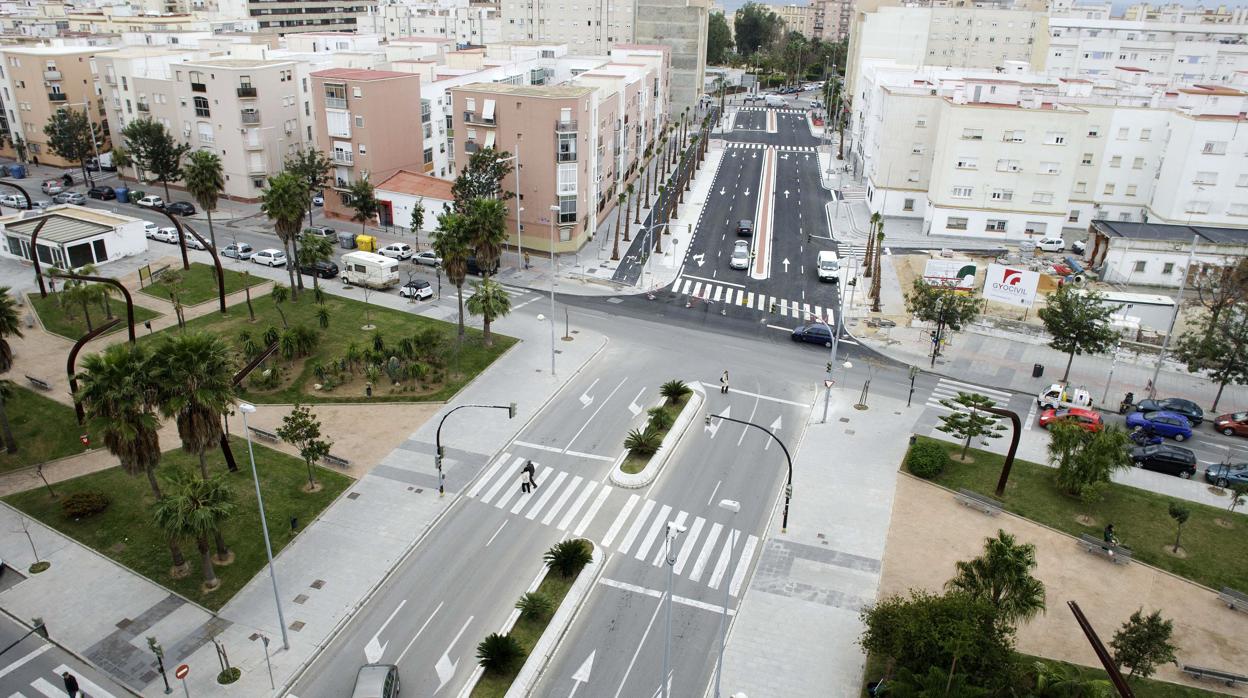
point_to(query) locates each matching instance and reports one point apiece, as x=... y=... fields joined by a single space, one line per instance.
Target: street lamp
x=673 y=531
x=554 y=275
x=245 y=409
x=516 y=157
x=734 y=507
x=438 y=453
x=788 y=486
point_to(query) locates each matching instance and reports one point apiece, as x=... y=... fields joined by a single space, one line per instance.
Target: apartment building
x=285 y=17
x=138 y=84
x=1169 y=53
x=465 y=23
x=363 y=122
x=39 y=81
x=797 y=18
x=1184 y=14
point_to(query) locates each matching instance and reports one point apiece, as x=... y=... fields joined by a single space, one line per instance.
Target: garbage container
x=1037 y=370
x=123 y=194
x=346 y=240
x=17 y=171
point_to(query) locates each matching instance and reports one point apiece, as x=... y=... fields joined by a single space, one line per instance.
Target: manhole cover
x=845 y=419
x=353 y=495
x=318 y=584
x=301 y=598
x=297 y=625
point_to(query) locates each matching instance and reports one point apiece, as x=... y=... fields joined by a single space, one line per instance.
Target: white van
x=369 y=269
x=828 y=267
x=1058 y=396
x=773 y=101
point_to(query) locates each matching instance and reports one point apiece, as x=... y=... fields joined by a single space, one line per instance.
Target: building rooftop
x=64 y=223
x=416 y=184
x=151 y=51
x=529 y=90
x=1211 y=90
x=422 y=40
x=360 y=74
x=1171 y=233
x=54 y=50
x=240 y=63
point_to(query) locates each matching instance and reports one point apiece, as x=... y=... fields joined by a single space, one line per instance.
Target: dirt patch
x=1085 y=520
x=1172 y=552
x=1223 y=523
x=968 y=458
x=1216 y=491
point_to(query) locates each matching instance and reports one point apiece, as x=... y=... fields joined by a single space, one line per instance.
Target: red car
x=1088 y=419
x=1234 y=424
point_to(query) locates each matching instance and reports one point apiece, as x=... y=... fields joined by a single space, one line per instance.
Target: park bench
x=335 y=460
x=978 y=501
x=1203 y=673
x=266 y=435
x=1236 y=600
x=1117 y=553
x=39 y=383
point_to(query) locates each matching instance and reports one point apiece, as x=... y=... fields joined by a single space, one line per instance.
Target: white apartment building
x=467 y=24
x=1170 y=53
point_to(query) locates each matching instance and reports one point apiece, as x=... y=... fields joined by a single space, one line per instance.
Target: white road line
x=653 y=533
x=691 y=540
x=418 y=632
x=712 y=497
x=655 y=593
x=1031 y=417
x=539 y=447
x=577 y=504
x=593 y=510
x=550 y=489
x=500 y=530
x=697 y=289
x=504 y=479
x=616 y=525
x=661 y=554
x=757 y=395
x=636 y=527
x=561 y=501
x=591 y=456
x=687 y=287
x=721 y=564
x=489 y=474
x=977 y=388
x=714 y=281
x=718 y=291
x=738 y=576
x=705 y=553
x=595 y=414
x=17 y=664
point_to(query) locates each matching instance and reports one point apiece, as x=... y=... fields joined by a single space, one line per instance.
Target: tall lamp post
x=245 y=409
x=554 y=275
x=673 y=532
x=734 y=507
x=788 y=485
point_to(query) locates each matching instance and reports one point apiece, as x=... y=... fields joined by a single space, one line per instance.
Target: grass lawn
x=1216 y=556
x=200 y=284
x=636 y=462
x=43 y=428
x=70 y=323
x=346 y=316
x=124 y=533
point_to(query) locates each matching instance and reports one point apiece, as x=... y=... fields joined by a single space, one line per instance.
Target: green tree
x=1217 y=344
x=363 y=201
x=1066 y=440
x=868 y=256
x=418 y=219
x=1058 y=680
x=1180 y=514
x=755 y=27
x=154 y=150
x=498 y=653
x=314 y=249
x=121 y=160
x=482 y=178
x=302 y=429
x=619 y=211
x=283 y=203
x=10 y=326
x=450 y=242
x=875 y=279
x=718 y=39
x=1102 y=454
x=968 y=420
x=205 y=180
x=487 y=231
x=946 y=307
x=1143 y=642
x=1221 y=288
x=20 y=147
x=1239 y=492
x=196 y=508
x=567 y=557
x=79 y=293
x=936 y=682
x=313 y=167
x=1002 y=576
x=490 y=301
x=1078 y=320
x=174 y=284
x=195 y=375
x=73 y=136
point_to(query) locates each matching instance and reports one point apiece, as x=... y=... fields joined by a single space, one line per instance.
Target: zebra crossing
x=853 y=193
x=779 y=148
x=778 y=111
x=573 y=503
x=716 y=293
x=53 y=686
x=948 y=389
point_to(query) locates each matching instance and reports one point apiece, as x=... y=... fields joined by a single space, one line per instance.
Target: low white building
x=72 y=236
x=404 y=190
x=1156 y=255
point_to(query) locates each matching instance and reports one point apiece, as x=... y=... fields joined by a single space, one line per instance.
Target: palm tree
x=450 y=242
x=646 y=170
x=196 y=379
x=314 y=249
x=490 y=301
x=75 y=292
x=487 y=231
x=876 y=219
x=1002 y=577
x=196 y=508
x=629 y=204
x=283 y=203
x=204 y=179
x=619 y=210
x=10 y=326
x=117 y=390
x=875 y=281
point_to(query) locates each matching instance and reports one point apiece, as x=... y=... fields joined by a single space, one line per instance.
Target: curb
x=658 y=461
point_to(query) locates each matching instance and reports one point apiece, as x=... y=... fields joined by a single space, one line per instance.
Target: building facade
x=36 y=82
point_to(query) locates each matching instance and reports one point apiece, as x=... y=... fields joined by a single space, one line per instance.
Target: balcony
x=342 y=157
x=249 y=117
x=51 y=74
x=254 y=169
x=198 y=87
x=246 y=92
x=566 y=156
x=58 y=97
x=335 y=102
x=110 y=79
x=566 y=127
x=253 y=145
x=475 y=118
x=144 y=108
x=341 y=183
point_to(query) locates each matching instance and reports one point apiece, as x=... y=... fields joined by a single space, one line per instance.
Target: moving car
x=1164 y=458
x=397 y=250
x=102 y=193
x=1169 y=424
x=1233 y=424
x=1187 y=408
x=1227 y=474
x=745 y=226
x=181 y=208
x=238 y=251
x=428 y=258
x=70 y=197
x=323 y=269
x=318 y=199
x=740 y=255
x=149 y=229
x=52 y=186
x=270 y=257
x=418 y=289
x=12 y=201
x=815 y=334
x=192 y=243
x=1090 y=420
x=1051 y=244
x=377 y=681
x=169 y=235
x=828 y=267
x=151 y=201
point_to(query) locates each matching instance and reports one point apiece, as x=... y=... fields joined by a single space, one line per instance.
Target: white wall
x=402 y=205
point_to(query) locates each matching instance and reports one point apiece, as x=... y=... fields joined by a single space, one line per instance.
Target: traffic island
x=648 y=448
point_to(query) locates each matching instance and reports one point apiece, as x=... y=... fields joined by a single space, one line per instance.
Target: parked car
x=238 y=251
x=192 y=243
x=270 y=257
x=1187 y=408
x=318 y=199
x=815 y=334
x=52 y=186
x=1233 y=424
x=70 y=197
x=149 y=229
x=41 y=204
x=12 y=201
x=397 y=250
x=1169 y=424
x=323 y=269
x=151 y=201
x=1227 y=474
x=181 y=208
x=420 y=290
x=740 y=255
x=428 y=258
x=1051 y=244
x=1164 y=458
x=169 y=235
x=102 y=193
x=321 y=231
x=377 y=681
x=1090 y=420
x=476 y=270
x=745 y=226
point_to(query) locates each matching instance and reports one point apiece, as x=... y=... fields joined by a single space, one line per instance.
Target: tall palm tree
x=875 y=281
x=876 y=219
x=629 y=205
x=314 y=249
x=10 y=326
x=196 y=377
x=487 y=231
x=204 y=179
x=117 y=390
x=490 y=301
x=79 y=293
x=619 y=209
x=196 y=508
x=283 y=203
x=450 y=242
x=1002 y=577
x=646 y=168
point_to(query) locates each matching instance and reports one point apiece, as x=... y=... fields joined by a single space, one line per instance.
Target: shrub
x=498 y=653
x=567 y=557
x=643 y=442
x=83 y=504
x=674 y=390
x=927 y=459
x=534 y=606
x=660 y=418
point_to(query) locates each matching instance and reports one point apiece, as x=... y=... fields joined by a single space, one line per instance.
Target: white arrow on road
x=775 y=427
x=786 y=193
x=722 y=190
x=445 y=668
x=786 y=265
x=747 y=192
x=633 y=406
x=582 y=675
x=375 y=648
x=700 y=258
x=715 y=424
x=586 y=398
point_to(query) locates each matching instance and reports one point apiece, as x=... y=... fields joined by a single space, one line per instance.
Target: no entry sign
x=182 y=671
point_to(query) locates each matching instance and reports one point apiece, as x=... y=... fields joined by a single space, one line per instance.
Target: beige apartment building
x=364 y=123
x=797 y=18
x=37 y=81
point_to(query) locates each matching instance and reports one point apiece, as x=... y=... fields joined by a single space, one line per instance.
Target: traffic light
x=829 y=367
x=511 y=411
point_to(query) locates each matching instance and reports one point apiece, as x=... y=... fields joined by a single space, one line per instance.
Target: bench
x=266 y=435
x=1203 y=673
x=1118 y=554
x=1236 y=600
x=39 y=383
x=335 y=460
x=978 y=501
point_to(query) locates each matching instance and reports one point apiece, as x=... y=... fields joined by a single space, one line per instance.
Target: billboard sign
x=1012 y=285
x=957 y=273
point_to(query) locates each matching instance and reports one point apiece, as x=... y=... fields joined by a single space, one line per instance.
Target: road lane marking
x=500 y=530
x=738 y=576
x=721 y=564
x=702 y=278
x=629 y=669
x=705 y=553
x=489 y=474
x=539 y=447
x=661 y=553
x=639 y=524
x=550 y=489
x=17 y=664
x=595 y=414
x=690 y=543
x=562 y=500
x=590 y=456
x=421 y=630
x=620 y=518
x=577 y=505
x=593 y=510
x=656 y=594
x=712 y=498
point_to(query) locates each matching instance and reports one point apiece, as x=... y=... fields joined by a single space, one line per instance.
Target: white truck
x=369 y=269
x=829 y=266
x=773 y=101
x=1058 y=396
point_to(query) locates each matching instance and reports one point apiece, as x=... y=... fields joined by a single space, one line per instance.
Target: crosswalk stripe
x=489 y=474
x=738 y=575
x=705 y=553
x=718 y=290
x=87 y=686
x=43 y=686
x=687 y=287
x=576 y=506
x=633 y=530
x=690 y=543
x=541 y=477
x=593 y=511
x=502 y=481
x=562 y=500
x=721 y=564
x=697 y=288
x=655 y=528
x=976 y=388
x=620 y=518
x=749 y=299
x=661 y=554
x=795 y=312
x=549 y=490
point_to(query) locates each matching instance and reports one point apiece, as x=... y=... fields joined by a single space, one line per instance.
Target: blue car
x=1169 y=424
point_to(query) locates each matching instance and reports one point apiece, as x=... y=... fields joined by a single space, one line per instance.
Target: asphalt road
x=33 y=667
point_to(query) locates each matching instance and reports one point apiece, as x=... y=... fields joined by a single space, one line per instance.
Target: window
x=1196 y=206
x=335 y=96
x=1073 y=217
x=1167 y=268
x=338 y=123
x=357 y=92
x=912 y=176
x=955 y=223
x=470 y=104
x=1014 y=136
x=566 y=147
x=1081 y=187
x=1055 y=138
x=1242 y=181
x=1131 y=189
x=907 y=204
x=995 y=226
x=206 y=136
x=1146 y=134
x=1115 y=161
x=1009 y=166
x=916 y=149
x=1087 y=159
x=1137 y=164
x=1123 y=133
x=567 y=179
x=428 y=155
x=1139 y=266
x=1214 y=148
x=1109 y=188
x=973 y=134
x=1035 y=227
x=1208 y=178
x=1002 y=195
x=1050 y=168
x=1042 y=197
x=921 y=122
x=1094 y=132
x=1124 y=216
x=1237 y=210
x=201 y=107
x=359 y=121
x=967 y=163
x=963 y=192
x=567 y=209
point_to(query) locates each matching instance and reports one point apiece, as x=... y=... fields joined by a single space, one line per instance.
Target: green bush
x=534 y=606
x=498 y=653
x=674 y=390
x=660 y=418
x=567 y=557
x=643 y=442
x=83 y=504
x=927 y=459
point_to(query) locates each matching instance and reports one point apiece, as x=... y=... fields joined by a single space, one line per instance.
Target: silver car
x=70 y=197
x=740 y=255
x=240 y=251
x=377 y=681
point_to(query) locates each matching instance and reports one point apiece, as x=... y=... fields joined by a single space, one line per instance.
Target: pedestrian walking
x=526 y=260
x=532 y=473
x=71 y=684
x=723 y=383
x=524 y=482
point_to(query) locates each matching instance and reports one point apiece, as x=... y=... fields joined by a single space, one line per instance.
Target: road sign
x=828 y=382
x=182 y=671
